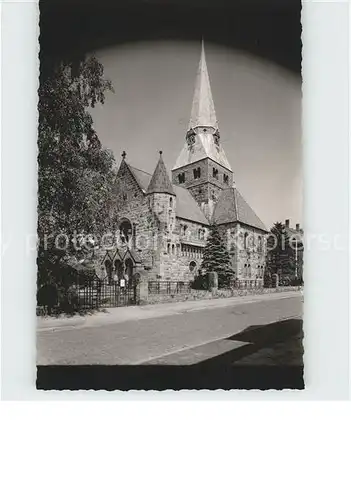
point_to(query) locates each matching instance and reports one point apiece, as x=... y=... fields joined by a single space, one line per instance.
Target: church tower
x=202 y=166
x=162 y=198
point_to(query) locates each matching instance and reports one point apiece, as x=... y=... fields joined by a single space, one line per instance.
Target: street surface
x=171 y=339
x=238 y=343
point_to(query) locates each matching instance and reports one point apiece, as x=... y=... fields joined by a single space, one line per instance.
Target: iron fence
x=168 y=287
x=97 y=293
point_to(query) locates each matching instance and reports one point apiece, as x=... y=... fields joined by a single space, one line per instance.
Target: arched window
x=197 y=173
x=171 y=201
x=125 y=231
x=169 y=248
x=192 y=266
x=259 y=244
x=246 y=240
x=181 y=178
x=173 y=249
x=249 y=271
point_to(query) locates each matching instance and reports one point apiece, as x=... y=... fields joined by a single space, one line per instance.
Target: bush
x=200 y=282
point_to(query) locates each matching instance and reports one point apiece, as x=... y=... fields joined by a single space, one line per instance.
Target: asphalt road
x=246 y=345
x=146 y=341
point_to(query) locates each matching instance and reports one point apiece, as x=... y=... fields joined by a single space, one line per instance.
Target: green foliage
x=74 y=171
x=216 y=258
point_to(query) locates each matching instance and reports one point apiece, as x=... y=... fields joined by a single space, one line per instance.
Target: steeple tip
x=203 y=112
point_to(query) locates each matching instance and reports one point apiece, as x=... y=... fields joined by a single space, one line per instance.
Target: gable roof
x=142 y=178
x=160 y=182
x=232 y=207
x=187 y=207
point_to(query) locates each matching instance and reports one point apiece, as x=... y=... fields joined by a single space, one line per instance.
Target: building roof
x=160 y=182
x=231 y=207
x=142 y=178
x=203 y=112
x=204 y=147
x=187 y=207
x=203 y=124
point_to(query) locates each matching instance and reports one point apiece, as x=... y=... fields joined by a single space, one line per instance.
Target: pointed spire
x=203 y=111
x=160 y=182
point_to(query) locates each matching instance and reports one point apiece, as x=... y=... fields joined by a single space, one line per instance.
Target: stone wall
x=248 y=258
x=206 y=188
x=218 y=294
x=181 y=248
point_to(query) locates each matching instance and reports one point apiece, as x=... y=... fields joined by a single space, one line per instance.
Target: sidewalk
x=134 y=313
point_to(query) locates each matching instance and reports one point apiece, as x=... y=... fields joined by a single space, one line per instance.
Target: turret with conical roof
x=160 y=181
x=162 y=197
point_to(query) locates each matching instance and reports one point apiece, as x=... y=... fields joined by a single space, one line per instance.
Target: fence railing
x=247 y=283
x=168 y=287
x=86 y=294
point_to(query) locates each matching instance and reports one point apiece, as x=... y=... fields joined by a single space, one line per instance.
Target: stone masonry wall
x=248 y=259
x=219 y=294
x=132 y=204
x=206 y=188
x=183 y=247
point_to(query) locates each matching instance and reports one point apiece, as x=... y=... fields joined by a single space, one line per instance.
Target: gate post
x=142 y=289
x=213 y=281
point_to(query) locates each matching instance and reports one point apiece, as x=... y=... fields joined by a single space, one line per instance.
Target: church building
x=163 y=222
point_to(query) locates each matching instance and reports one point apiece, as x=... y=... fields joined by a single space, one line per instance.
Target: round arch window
x=192 y=266
x=125 y=231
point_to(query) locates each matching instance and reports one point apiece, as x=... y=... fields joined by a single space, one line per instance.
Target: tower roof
x=160 y=182
x=203 y=112
x=202 y=139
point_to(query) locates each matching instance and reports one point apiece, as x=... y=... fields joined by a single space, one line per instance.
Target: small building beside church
x=162 y=222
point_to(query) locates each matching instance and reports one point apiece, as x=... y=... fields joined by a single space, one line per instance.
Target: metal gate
x=96 y=293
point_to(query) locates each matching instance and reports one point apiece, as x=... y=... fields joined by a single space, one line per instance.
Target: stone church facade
x=163 y=223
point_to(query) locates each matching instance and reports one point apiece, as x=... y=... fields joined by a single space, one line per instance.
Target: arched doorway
x=129 y=266
x=118 y=268
x=108 y=267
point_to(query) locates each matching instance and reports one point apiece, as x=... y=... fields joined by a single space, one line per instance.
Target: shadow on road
x=272 y=359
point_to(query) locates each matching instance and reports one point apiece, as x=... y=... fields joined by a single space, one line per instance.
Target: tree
x=280 y=254
x=216 y=257
x=74 y=170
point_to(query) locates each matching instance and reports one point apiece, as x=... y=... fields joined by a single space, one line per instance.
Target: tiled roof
x=160 y=182
x=204 y=147
x=142 y=178
x=187 y=207
x=231 y=207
